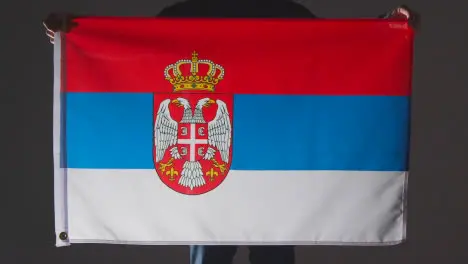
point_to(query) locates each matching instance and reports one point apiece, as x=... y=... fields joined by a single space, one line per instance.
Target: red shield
x=192 y=148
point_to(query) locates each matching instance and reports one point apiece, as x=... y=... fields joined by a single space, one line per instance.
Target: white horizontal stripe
x=249 y=207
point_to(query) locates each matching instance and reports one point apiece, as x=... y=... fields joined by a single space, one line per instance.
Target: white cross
x=192 y=141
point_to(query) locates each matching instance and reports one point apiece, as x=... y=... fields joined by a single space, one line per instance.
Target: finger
x=51 y=39
x=46 y=27
x=50 y=34
x=404 y=12
x=48 y=31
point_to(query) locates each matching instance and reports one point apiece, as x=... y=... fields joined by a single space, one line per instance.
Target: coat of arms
x=193 y=128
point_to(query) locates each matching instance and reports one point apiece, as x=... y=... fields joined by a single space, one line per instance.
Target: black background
x=438 y=198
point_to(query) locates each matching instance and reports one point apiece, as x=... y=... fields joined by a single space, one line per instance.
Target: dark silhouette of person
x=224 y=254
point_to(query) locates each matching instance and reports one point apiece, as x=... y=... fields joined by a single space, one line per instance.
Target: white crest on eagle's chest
x=219 y=137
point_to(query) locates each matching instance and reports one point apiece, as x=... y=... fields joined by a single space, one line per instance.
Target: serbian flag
x=231 y=131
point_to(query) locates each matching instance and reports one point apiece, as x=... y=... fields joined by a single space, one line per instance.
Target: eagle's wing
x=165 y=131
x=219 y=132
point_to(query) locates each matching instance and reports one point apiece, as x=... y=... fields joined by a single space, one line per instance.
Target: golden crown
x=185 y=80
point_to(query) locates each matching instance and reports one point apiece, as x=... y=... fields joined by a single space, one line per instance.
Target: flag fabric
x=232 y=131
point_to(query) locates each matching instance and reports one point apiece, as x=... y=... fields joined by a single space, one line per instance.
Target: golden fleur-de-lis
x=212 y=174
x=172 y=173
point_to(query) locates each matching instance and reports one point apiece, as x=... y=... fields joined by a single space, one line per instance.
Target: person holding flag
x=283 y=9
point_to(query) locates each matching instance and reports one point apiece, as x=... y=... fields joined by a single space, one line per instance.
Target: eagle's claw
x=220 y=166
x=162 y=166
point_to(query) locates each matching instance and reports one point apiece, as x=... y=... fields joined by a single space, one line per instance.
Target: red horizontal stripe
x=361 y=57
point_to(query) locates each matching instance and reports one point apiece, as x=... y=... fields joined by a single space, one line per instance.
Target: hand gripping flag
x=232 y=131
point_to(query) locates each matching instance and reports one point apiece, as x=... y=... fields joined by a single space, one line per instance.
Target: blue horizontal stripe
x=114 y=130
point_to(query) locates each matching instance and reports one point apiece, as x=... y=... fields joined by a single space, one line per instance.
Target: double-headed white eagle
x=166 y=136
